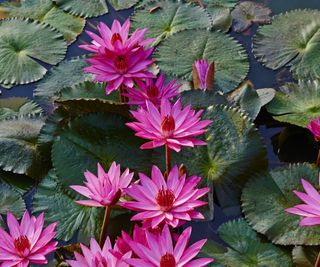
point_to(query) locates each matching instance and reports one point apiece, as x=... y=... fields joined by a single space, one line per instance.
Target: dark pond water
x=298 y=146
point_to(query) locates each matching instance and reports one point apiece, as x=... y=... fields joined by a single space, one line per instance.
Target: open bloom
x=119 y=60
x=311 y=209
x=203 y=74
x=161 y=252
x=106 y=189
x=26 y=242
x=314 y=127
x=171 y=126
x=160 y=201
x=97 y=257
x=153 y=91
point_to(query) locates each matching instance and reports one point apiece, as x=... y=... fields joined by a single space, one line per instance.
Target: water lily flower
x=203 y=74
x=311 y=207
x=161 y=252
x=97 y=257
x=117 y=59
x=171 y=126
x=314 y=127
x=26 y=242
x=106 y=189
x=170 y=201
x=152 y=90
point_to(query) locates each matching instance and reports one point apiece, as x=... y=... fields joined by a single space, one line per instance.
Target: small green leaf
x=122 y=4
x=200 y=99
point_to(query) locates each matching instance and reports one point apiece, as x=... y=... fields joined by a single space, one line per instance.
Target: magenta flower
x=161 y=252
x=153 y=91
x=160 y=201
x=106 y=189
x=314 y=127
x=172 y=126
x=203 y=74
x=311 y=209
x=119 y=60
x=97 y=257
x=26 y=242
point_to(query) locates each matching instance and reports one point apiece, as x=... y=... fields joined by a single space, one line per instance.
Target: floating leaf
x=245 y=248
x=10 y=201
x=296 y=103
x=176 y=55
x=18 y=149
x=96 y=138
x=265 y=198
x=17 y=107
x=266 y=95
x=200 y=99
x=278 y=45
x=247 y=12
x=23 y=41
x=66 y=74
x=20 y=183
x=305 y=256
x=83 y=8
x=44 y=11
x=122 y=4
x=235 y=151
x=165 y=18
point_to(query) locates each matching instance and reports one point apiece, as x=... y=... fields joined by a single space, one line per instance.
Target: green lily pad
x=45 y=11
x=18 y=148
x=11 y=201
x=247 y=12
x=122 y=4
x=66 y=74
x=265 y=198
x=305 y=256
x=17 y=107
x=96 y=138
x=20 y=183
x=277 y=45
x=200 y=99
x=176 y=55
x=245 y=248
x=235 y=152
x=23 y=41
x=165 y=18
x=83 y=8
x=296 y=103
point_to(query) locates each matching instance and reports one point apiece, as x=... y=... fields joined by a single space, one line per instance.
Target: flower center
x=21 y=244
x=116 y=37
x=165 y=199
x=122 y=64
x=168 y=125
x=167 y=260
x=152 y=91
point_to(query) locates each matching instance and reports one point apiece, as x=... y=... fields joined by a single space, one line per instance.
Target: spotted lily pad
x=176 y=55
x=164 y=18
x=278 y=45
x=83 y=8
x=265 y=198
x=45 y=11
x=22 y=42
x=247 y=12
x=245 y=248
x=296 y=103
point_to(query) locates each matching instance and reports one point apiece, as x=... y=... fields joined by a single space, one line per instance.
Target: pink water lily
x=314 y=127
x=26 y=242
x=203 y=74
x=97 y=257
x=106 y=188
x=161 y=251
x=172 y=125
x=311 y=207
x=172 y=201
x=153 y=90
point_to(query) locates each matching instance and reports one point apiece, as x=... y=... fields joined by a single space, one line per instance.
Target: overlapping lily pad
x=305 y=256
x=122 y=4
x=296 y=103
x=292 y=40
x=235 y=151
x=11 y=201
x=245 y=248
x=22 y=44
x=45 y=11
x=176 y=55
x=20 y=183
x=265 y=198
x=83 y=8
x=164 y=18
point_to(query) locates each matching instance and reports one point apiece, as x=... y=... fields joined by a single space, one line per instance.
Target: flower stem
x=318 y=159
x=318 y=261
x=104 y=227
x=123 y=99
x=168 y=160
